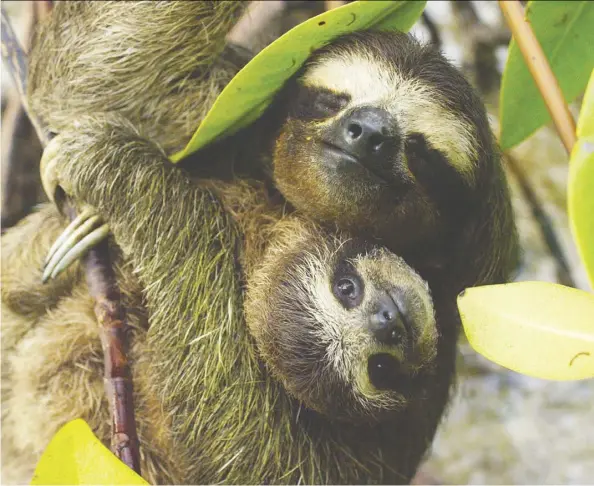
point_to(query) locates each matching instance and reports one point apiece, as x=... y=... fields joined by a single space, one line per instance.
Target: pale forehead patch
x=417 y=106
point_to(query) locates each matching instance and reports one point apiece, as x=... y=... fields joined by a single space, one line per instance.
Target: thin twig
x=432 y=28
x=14 y=57
x=21 y=149
x=541 y=71
x=103 y=288
x=547 y=228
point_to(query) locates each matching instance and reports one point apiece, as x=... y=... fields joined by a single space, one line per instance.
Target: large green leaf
x=248 y=94
x=580 y=190
x=76 y=456
x=565 y=31
x=535 y=328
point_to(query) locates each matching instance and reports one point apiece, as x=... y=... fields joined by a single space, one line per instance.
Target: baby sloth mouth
x=385 y=372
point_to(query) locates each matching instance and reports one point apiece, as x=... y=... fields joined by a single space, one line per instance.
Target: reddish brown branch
x=111 y=317
x=541 y=71
x=103 y=287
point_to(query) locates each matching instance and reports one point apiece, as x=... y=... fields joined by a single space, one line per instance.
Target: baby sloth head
x=347 y=328
x=386 y=131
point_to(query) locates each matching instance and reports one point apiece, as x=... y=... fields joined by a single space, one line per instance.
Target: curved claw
x=73 y=246
x=68 y=232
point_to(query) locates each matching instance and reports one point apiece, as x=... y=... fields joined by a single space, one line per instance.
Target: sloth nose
x=387 y=322
x=366 y=130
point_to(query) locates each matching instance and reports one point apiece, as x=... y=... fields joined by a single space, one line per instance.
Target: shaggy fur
x=208 y=411
x=152 y=62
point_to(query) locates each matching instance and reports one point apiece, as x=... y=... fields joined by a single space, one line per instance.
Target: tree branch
x=103 y=287
x=21 y=149
x=541 y=71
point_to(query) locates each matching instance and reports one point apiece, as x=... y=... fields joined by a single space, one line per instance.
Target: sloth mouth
x=386 y=373
x=343 y=154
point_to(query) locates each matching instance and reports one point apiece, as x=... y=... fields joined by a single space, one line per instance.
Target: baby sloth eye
x=349 y=291
x=346 y=288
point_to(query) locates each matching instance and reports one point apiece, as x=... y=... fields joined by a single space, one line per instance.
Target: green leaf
x=580 y=190
x=536 y=328
x=248 y=94
x=76 y=456
x=565 y=31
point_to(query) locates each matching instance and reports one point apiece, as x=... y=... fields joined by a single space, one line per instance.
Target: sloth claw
x=82 y=234
x=78 y=238
x=68 y=232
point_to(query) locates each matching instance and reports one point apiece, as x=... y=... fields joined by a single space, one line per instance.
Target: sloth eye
x=328 y=102
x=317 y=103
x=349 y=291
x=346 y=288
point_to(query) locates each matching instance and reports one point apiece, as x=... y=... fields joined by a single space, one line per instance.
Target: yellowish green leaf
x=564 y=30
x=585 y=125
x=580 y=190
x=536 y=328
x=248 y=94
x=76 y=456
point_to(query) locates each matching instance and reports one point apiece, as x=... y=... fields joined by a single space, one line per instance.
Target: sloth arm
x=174 y=232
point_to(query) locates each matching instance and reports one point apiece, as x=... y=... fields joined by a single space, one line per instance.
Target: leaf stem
x=540 y=70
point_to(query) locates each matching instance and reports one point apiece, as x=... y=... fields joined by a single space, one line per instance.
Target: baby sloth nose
x=366 y=130
x=387 y=323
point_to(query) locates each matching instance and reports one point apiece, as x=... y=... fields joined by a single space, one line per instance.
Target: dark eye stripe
x=316 y=103
x=443 y=183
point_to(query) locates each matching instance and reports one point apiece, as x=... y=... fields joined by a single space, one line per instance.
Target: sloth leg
x=24 y=298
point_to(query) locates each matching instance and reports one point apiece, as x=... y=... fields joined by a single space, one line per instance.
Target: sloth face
x=381 y=134
x=348 y=329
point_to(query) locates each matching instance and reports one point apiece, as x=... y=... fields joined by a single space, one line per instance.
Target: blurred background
x=501 y=427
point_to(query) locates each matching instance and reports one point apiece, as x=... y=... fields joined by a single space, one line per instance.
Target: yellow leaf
x=536 y=328
x=580 y=204
x=580 y=190
x=585 y=126
x=250 y=92
x=76 y=456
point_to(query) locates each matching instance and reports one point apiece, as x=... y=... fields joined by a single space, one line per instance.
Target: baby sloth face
x=348 y=329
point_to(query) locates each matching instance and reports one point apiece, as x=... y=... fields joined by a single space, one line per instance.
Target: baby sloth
x=349 y=330
x=356 y=375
